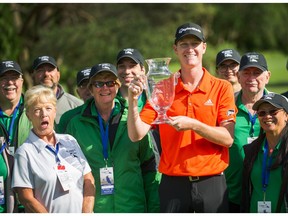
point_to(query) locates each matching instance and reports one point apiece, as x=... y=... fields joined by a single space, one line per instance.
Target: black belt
x=199 y=178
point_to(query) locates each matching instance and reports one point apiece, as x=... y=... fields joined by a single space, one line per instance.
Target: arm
x=26 y=198
x=221 y=135
x=137 y=129
x=88 y=193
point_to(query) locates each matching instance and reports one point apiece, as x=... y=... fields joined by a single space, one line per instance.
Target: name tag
x=12 y=150
x=251 y=139
x=64 y=177
x=2 y=191
x=107 y=180
x=264 y=207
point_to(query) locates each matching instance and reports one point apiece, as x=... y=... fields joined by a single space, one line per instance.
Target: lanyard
x=2 y=148
x=104 y=134
x=55 y=152
x=265 y=169
x=252 y=120
x=10 y=127
x=12 y=121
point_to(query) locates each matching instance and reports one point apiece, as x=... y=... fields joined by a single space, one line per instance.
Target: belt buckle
x=193 y=178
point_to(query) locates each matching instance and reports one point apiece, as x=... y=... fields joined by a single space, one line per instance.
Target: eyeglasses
x=270 y=112
x=224 y=67
x=99 y=84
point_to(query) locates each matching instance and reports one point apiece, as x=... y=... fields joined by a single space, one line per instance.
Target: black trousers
x=183 y=194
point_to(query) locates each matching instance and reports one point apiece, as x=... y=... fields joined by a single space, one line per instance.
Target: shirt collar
x=204 y=84
x=39 y=143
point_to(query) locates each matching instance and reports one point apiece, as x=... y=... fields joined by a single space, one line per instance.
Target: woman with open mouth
x=51 y=174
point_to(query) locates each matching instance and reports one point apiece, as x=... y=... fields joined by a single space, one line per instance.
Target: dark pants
x=181 y=194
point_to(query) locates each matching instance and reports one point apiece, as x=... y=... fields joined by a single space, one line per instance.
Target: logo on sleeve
x=230 y=112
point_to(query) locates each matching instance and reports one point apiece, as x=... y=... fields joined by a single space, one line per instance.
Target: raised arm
x=137 y=129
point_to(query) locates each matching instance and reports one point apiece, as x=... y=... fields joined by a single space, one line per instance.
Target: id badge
x=107 y=180
x=2 y=191
x=11 y=150
x=251 y=139
x=264 y=207
x=64 y=177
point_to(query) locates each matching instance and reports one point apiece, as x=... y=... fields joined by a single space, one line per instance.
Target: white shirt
x=35 y=168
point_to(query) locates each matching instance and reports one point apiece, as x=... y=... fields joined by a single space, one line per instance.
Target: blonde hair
x=39 y=93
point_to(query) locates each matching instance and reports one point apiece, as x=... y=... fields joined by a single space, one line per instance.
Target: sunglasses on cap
x=270 y=112
x=100 y=84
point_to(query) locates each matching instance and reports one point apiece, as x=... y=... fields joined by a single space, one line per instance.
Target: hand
x=136 y=86
x=181 y=123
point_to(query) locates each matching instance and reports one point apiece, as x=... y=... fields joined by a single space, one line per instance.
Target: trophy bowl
x=160 y=87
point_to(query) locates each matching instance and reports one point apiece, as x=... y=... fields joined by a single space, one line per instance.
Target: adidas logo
x=208 y=103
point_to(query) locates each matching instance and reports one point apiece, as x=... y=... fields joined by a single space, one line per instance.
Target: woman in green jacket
x=101 y=131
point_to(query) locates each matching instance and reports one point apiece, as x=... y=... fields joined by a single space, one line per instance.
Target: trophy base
x=161 y=120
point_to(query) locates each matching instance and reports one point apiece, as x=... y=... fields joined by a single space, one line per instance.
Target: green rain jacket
x=21 y=129
x=22 y=126
x=124 y=156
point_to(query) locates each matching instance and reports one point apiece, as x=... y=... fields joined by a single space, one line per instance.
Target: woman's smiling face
x=272 y=119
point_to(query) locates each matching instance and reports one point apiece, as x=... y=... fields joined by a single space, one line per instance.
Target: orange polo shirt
x=185 y=153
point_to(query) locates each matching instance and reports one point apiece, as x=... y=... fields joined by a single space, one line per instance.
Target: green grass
x=279 y=75
x=276 y=64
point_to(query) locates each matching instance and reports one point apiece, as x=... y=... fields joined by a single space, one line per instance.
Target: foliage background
x=81 y=35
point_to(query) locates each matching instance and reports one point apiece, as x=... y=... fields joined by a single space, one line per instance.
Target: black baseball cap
x=253 y=59
x=83 y=75
x=189 y=29
x=44 y=60
x=107 y=67
x=10 y=66
x=276 y=100
x=227 y=54
x=131 y=53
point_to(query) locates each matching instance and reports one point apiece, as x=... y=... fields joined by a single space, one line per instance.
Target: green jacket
x=21 y=130
x=66 y=117
x=124 y=156
x=22 y=126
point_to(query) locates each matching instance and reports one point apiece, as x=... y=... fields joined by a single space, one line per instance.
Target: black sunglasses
x=99 y=84
x=270 y=112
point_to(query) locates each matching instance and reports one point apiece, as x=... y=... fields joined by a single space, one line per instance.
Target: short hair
x=39 y=93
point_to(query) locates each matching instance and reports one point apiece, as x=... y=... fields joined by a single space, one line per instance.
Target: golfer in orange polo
x=195 y=142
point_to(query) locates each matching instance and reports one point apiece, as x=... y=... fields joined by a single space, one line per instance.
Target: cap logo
x=105 y=66
x=86 y=72
x=187 y=29
x=227 y=53
x=253 y=58
x=44 y=58
x=129 y=51
x=9 y=64
x=268 y=98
